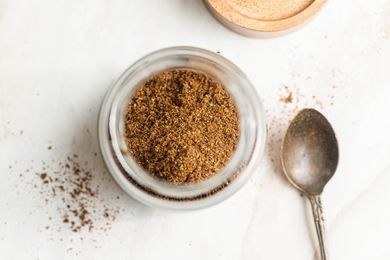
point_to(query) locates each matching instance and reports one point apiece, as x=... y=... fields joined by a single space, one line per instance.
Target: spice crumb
x=288 y=98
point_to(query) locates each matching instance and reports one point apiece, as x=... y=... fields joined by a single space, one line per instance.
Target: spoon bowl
x=310 y=152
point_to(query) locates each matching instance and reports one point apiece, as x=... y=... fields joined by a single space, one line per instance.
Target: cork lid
x=251 y=16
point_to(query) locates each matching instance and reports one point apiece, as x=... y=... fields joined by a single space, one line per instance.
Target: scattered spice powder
x=182 y=126
x=72 y=184
x=77 y=181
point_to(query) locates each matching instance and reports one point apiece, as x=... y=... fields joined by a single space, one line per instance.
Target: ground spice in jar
x=182 y=126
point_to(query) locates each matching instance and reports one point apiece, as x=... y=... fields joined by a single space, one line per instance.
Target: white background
x=57 y=60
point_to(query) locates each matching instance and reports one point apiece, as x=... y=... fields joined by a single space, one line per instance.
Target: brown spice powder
x=70 y=185
x=78 y=182
x=182 y=126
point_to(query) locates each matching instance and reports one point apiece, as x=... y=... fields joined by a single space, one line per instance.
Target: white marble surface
x=57 y=60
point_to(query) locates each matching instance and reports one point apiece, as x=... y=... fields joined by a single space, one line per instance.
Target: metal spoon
x=309 y=158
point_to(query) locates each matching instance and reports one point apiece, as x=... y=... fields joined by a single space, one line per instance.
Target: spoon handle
x=316 y=206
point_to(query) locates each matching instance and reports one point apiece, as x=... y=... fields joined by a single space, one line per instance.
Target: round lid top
x=266 y=15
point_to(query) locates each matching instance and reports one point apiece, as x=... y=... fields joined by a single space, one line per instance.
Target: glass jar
x=152 y=191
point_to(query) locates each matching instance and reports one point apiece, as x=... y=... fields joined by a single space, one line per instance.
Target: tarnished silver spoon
x=309 y=158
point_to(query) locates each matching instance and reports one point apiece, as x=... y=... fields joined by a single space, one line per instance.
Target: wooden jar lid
x=254 y=17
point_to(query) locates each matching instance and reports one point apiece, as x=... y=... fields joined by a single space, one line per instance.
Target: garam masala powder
x=182 y=126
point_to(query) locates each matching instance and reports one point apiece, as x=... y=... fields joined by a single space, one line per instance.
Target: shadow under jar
x=151 y=190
